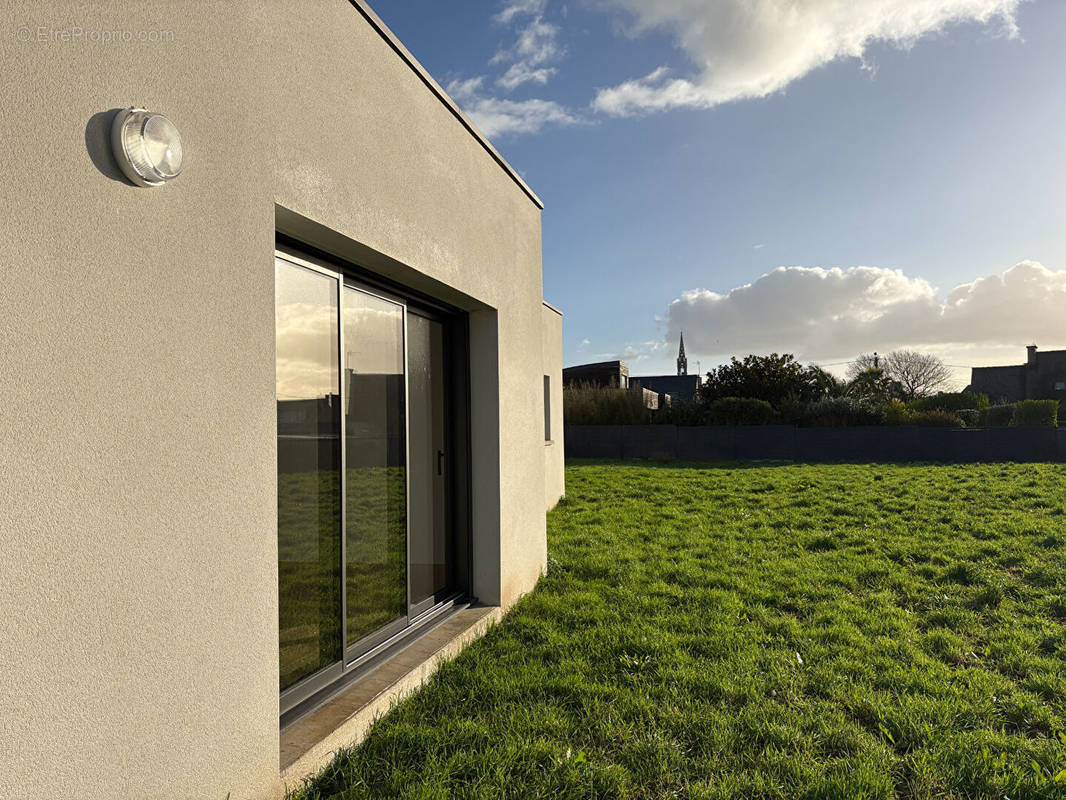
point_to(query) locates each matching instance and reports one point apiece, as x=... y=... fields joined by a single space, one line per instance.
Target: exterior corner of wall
x=485 y=455
x=552 y=365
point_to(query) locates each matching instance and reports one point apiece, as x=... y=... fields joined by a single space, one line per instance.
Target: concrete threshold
x=310 y=743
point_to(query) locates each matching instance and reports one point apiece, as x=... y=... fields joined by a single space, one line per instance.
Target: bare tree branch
x=918 y=374
x=864 y=362
x=915 y=374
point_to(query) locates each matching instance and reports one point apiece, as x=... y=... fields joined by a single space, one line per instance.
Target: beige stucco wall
x=552 y=359
x=138 y=496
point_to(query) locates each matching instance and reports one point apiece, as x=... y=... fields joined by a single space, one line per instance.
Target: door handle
x=440 y=462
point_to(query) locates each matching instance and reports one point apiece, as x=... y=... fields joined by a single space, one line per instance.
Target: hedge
x=935 y=419
x=950 y=401
x=586 y=404
x=840 y=412
x=741 y=411
x=1035 y=412
x=999 y=416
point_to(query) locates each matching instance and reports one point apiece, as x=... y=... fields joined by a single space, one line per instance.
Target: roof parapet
x=386 y=34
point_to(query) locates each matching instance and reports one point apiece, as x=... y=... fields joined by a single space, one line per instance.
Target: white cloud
x=528 y=61
x=751 y=48
x=537 y=43
x=640 y=353
x=825 y=314
x=465 y=90
x=517 y=74
x=536 y=46
x=495 y=116
x=516 y=8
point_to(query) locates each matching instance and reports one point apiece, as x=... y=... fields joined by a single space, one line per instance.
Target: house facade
x=682 y=388
x=1041 y=377
x=272 y=426
x=605 y=374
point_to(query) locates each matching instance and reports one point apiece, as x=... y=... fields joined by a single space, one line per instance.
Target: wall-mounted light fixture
x=147 y=146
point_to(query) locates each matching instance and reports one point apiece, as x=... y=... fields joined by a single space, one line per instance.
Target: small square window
x=1060 y=386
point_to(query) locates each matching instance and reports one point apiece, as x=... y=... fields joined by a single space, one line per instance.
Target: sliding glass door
x=430 y=540
x=308 y=392
x=375 y=448
x=366 y=541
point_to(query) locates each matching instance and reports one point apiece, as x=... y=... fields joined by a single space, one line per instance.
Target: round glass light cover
x=148 y=147
x=162 y=145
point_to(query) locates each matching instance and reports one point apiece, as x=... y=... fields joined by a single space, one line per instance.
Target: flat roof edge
x=412 y=62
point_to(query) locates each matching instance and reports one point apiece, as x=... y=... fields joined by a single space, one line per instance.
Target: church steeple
x=682 y=361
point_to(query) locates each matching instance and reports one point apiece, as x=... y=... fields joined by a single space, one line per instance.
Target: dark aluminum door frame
x=457 y=492
x=443 y=468
x=353 y=651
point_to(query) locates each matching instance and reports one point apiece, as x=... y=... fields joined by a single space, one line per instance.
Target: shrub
x=741 y=411
x=951 y=401
x=1035 y=412
x=936 y=419
x=681 y=412
x=999 y=416
x=897 y=413
x=586 y=404
x=791 y=411
x=836 y=412
x=971 y=417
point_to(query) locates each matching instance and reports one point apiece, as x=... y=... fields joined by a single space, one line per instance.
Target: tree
x=913 y=374
x=824 y=383
x=773 y=378
x=864 y=362
x=871 y=386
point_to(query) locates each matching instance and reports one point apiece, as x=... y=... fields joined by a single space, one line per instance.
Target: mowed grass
x=748 y=631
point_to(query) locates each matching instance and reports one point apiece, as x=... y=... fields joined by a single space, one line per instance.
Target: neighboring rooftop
x=1041 y=377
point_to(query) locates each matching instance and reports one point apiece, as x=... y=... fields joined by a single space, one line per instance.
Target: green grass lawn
x=739 y=631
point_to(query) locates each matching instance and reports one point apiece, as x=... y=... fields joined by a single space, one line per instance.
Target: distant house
x=601 y=373
x=608 y=375
x=681 y=386
x=1041 y=377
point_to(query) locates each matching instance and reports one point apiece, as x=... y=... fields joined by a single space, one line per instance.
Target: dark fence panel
x=788 y=443
x=649 y=441
x=756 y=442
x=594 y=441
x=711 y=443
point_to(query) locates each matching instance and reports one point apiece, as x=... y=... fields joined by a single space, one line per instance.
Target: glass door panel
x=429 y=547
x=375 y=442
x=365 y=476
x=308 y=397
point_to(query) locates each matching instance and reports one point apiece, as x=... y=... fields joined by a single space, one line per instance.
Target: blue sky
x=908 y=154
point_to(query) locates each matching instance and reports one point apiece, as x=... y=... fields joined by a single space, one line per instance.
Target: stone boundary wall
x=789 y=443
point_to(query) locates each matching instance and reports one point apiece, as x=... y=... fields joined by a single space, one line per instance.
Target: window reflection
x=375 y=453
x=430 y=545
x=308 y=397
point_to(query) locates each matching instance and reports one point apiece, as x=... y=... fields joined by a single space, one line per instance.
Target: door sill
x=310 y=740
x=366 y=662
